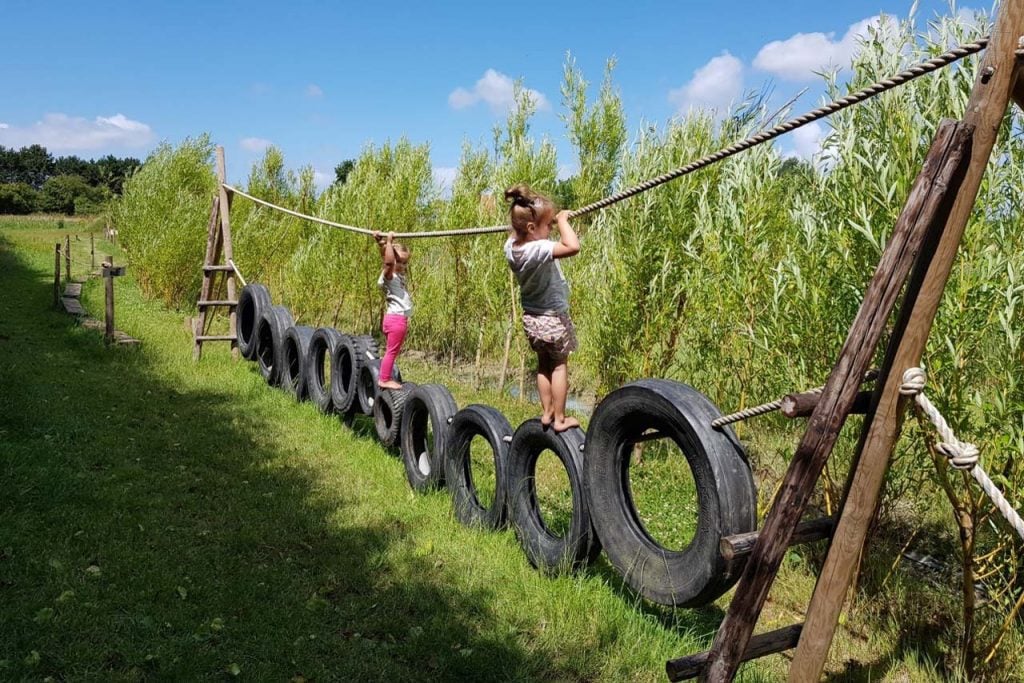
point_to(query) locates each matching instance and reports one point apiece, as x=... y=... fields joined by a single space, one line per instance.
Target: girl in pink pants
x=399 y=304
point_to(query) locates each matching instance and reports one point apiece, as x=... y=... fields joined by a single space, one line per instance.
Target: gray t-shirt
x=399 y=301
x=542 y=287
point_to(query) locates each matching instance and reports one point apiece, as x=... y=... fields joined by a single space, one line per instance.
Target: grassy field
x=162 y=519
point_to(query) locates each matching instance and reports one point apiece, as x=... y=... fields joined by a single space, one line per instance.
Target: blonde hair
x=526 y=206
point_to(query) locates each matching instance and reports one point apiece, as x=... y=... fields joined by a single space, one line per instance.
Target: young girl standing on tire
x=533 y=258
x=399 y=304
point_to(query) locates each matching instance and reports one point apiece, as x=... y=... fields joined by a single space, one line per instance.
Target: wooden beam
x=225 y=235
x=924 y=202
x=56 y=275
x=803 y=404
x=762 y=644
x=212 y=233
x=986 y=108
x=740 y=545
x=108 y=295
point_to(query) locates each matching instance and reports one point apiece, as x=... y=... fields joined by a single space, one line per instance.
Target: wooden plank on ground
x=72 y=305
x=924 y=202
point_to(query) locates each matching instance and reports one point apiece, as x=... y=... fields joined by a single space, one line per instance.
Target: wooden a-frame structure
x=917 y=259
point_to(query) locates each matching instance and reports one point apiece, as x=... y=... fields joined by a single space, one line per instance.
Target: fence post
x=56 y=275
x=108 y=288
x=67 y=257
x=92 y=250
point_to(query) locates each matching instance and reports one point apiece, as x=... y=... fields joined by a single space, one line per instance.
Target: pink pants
x=395 y=326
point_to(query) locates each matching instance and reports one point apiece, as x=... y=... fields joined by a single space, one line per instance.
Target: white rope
x=366 y=231
x=238 y=273
x=961 y=455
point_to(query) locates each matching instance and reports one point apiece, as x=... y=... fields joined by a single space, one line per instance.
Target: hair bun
x=519 y=194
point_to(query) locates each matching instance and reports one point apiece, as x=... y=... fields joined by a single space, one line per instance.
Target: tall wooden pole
x=92 y=251
x=56 y=274
x=229 y=254
x=67 y=257
x=108 y=290
x=985 y=111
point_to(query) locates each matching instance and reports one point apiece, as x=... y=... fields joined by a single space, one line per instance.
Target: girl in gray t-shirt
x=533 y=258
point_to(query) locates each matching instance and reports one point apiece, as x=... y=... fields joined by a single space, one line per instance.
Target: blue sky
x=319 y=80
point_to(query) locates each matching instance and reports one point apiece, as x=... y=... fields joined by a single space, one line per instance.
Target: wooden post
x=924 y=204
x=67 y=257
x=108 y=289
x=56 y=275
x=985 y=111
x=92 y=251
x=229 y=254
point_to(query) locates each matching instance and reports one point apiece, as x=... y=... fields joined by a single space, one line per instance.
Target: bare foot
x=546 y=420
x=390 y=384
x=566 y=423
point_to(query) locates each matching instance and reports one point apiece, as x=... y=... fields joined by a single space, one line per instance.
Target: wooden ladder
x=919 y=254
x=219 y=259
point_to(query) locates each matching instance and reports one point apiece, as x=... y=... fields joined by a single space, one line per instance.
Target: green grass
x=165 y=519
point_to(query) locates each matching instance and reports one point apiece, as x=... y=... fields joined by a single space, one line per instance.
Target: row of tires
x=434 y=438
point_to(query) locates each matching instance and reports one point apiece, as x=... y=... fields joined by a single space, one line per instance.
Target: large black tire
x=477 y=420
x=345 y=365
x=427 y=410
x=252 y=302
x=366 y=386
x=322 y=346
x=726 y=495
x=387 y=413
x=270 y=331
x=296 y=351
x=545 y=550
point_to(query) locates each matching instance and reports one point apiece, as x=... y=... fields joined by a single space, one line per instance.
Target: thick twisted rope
x=367 y=231
x=772 y=406
x=909 y=74
x=961 y=455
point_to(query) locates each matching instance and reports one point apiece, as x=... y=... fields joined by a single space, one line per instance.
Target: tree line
x=33 y=180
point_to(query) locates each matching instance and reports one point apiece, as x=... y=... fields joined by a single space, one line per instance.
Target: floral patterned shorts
x=551 y=335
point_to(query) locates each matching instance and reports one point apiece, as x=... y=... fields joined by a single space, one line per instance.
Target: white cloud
x=802 y=55
x=444 y=178
x=60 y=132
x=566 y=171
x=497 y=91
x=807 y=141
x=254 y=144
x=314 y=90
x=323 y=180
x=714 y=86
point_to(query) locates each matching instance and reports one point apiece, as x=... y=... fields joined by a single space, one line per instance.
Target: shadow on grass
x=149 y=530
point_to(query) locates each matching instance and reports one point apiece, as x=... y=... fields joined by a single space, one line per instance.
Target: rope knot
x=913 y=381
x=960 y=454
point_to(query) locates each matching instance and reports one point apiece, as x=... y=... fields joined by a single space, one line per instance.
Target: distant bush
x=18 y=199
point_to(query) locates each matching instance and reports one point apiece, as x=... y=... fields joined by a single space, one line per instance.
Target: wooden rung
x=73 y=289
x=802 y=405
x=739 y=546
x=217 y=302
x=222 y=268
x=760 y=645
x=215 y=337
